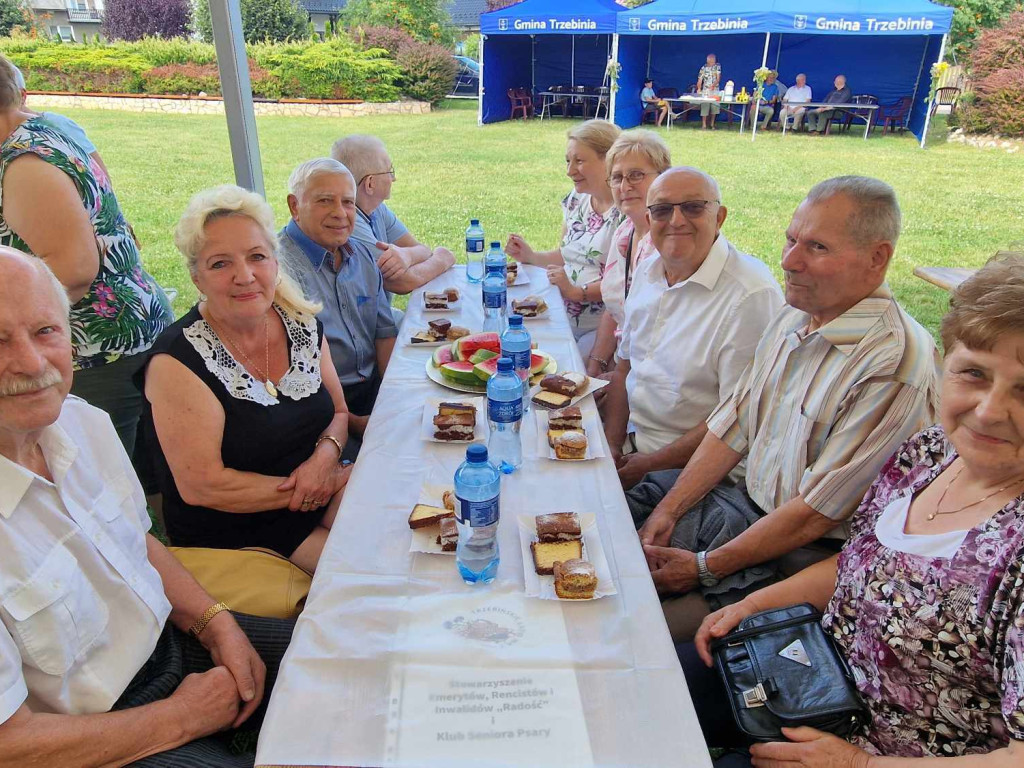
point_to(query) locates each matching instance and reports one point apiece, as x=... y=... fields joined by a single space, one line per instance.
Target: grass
x=960 y=204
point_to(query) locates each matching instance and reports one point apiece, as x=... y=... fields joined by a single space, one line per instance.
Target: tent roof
x=838 y=17
x=544 y=17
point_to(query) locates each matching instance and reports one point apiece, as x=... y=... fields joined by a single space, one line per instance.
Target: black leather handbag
x=780 y=669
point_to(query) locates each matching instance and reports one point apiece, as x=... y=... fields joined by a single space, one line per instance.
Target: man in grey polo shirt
x=317 y=249
x=405 y=262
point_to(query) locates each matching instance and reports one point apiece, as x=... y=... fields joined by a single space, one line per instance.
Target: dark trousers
x=360 y=398
x=110 y=388
x=712 y=706
x=178 y=655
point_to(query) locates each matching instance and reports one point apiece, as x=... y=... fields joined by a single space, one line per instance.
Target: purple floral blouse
x=936 y=644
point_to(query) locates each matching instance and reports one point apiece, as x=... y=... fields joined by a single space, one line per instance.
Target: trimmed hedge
x=997 y=74
x=428 y=71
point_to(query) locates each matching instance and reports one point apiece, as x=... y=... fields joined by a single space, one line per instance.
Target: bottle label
x=521 y=360
x=494 y=299
x=505 y=411
x=474 y=245
x=478 y=514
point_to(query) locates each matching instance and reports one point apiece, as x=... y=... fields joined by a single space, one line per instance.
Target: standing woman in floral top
x=590 y=219
x=926 y=600
x=57 y=205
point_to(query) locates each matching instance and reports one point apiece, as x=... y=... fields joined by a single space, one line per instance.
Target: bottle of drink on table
x=496 y=258
x=505 y=417
x=495 y=296
x=474 y=251
x=477 y=510
x=516 y=345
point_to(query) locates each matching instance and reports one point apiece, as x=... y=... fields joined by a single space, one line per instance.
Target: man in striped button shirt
x=840 y=378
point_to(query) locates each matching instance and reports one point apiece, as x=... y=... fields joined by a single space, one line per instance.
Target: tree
x=970 y=17
x=135 y=19
x=277 y=20
x=426 y=20
x=13 y=16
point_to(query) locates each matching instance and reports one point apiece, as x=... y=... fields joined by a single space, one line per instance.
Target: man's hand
x=809 y=748
x=672 y=570
x=632 y=468
x=393 y=261
x=208 y=702
x=657 y=529
x=229 y=647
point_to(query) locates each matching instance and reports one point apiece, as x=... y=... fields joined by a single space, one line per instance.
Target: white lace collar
x=301 y=380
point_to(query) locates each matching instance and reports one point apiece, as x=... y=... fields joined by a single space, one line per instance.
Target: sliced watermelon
x=460 y=372
x=486 y=369
x=467 y=345
x=482 y=354
x=538 y=363
x=443 y=355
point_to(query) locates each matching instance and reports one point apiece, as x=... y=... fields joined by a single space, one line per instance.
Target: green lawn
x=960 y=204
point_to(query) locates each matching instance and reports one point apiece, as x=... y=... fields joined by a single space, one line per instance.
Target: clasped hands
x=673 y=571
x=315 y=481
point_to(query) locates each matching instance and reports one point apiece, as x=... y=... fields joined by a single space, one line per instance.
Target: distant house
x=322 y=11
x=68 y=20
x=466 y=14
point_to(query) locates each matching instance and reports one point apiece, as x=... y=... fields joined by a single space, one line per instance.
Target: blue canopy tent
x=884 y=48
x=537 y=44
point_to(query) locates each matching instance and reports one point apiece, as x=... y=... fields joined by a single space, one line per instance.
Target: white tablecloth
x=379 y=619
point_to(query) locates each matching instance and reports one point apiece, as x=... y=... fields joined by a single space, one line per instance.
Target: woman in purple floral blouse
x=926 y=600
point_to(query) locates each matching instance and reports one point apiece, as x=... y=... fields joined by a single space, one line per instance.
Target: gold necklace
x=973 y=503
x=267 y=383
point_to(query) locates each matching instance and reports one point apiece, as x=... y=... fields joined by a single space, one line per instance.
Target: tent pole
x=237 y=89
x=572 y=65
x=650 y=42
x=480 y=85
x=757 y=104
x=533 y=64
x=928 y=114
x=613 y=83
x=778 y=54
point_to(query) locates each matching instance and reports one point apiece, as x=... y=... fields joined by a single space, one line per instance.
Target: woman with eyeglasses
x=590 y=220
x=634 y=161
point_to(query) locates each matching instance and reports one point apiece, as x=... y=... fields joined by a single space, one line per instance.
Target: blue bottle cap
x=515 y=320
x=474 y=222
x=505 y=365
x=496 y=244
x=477 y=453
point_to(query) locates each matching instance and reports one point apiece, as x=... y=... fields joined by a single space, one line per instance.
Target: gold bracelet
x=334 y=440
x=196 y=629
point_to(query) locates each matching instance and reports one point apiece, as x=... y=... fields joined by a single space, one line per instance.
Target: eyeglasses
x=633 y=177
x=692 y=209
x=389 y=172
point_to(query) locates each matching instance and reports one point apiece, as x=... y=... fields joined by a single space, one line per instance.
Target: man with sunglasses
x=840 y=378
x=405 y=262
x=693 y=317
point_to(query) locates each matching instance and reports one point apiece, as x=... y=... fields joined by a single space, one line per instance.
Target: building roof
x=466 y=13
x=323 y=6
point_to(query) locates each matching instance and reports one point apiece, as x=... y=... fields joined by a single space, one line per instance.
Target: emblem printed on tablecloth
x=498 y=626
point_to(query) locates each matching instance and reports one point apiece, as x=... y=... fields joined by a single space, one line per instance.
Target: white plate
x=590 y=387
x=430 y=411
x=426 y=344
x=425 y=539
x=591 y=424
x=434 y=374
x=521 y=277
x=544 y=586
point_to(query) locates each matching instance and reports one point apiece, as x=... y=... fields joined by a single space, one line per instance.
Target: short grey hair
x=359 y=152
x=307 y=171
x=60 y=293
x=707 y=177
x=878 y=216
x=10 y=91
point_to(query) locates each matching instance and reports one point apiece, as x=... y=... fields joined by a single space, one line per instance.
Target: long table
x=865 y=112
x=730 y=106
x=396 y=662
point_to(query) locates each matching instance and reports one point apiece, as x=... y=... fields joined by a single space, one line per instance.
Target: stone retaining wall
x=215 y=106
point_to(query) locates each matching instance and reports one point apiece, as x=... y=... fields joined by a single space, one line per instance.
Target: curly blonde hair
x=987 y=305
x=231 y=200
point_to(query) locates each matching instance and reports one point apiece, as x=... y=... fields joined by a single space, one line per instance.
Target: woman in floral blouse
x=926 y=600
x=590 y=220
x=58 y=205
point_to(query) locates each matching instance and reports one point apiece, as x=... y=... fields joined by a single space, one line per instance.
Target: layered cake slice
x=423 y=515
x=550 y=399
x=575 y=579
x=448 y=538
x=570 y=445
x=547 y=553
x=558 y=526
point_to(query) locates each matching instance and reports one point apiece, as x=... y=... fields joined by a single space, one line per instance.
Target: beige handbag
x=254 y=581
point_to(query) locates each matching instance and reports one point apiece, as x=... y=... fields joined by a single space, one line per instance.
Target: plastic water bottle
x=495 y=298
x=496 y=258
x=515 y=345
x=474 y=251
x=477 y=509
x=505 y=417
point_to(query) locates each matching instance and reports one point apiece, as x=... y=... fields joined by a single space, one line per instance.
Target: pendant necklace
x=267 y=383
x=966 y=506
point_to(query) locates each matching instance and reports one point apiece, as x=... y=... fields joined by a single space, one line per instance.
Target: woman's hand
x=519 y=249
x=810 y=748
x=718 y=625
x=558 y=278
x=315 y=480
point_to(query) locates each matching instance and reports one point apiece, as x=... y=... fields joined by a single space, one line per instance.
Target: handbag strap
x=629 y=261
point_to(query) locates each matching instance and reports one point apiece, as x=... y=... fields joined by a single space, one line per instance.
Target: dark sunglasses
x=692 y=209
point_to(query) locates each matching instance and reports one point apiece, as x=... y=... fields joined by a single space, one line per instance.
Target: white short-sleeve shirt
x=81 y=607
x=797 y=94
x=688 y=344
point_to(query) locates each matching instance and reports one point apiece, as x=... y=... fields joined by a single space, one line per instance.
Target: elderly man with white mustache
x=110 y=652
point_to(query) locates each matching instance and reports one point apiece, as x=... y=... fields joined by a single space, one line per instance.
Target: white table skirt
x=376 y=615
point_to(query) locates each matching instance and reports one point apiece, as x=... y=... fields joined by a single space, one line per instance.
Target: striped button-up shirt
x=817 y=414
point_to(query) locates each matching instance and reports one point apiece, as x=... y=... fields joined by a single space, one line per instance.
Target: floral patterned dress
x=124 y=310
x=614 y=283
x=585 y=247
x=936 y=644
